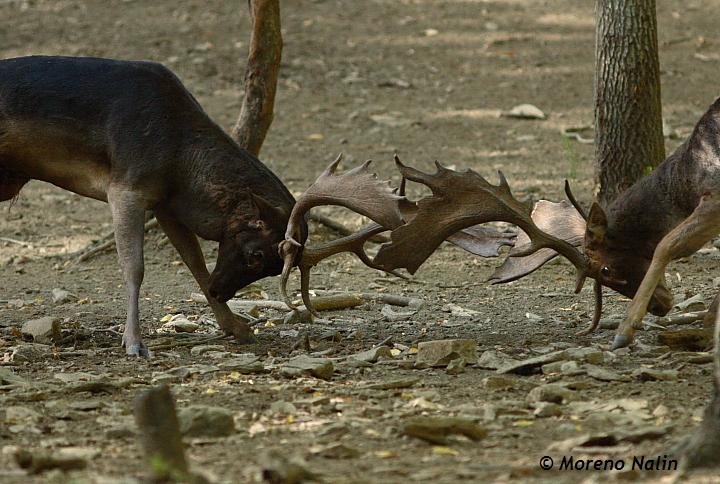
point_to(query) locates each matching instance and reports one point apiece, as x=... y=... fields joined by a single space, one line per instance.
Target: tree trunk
x=628 y=115
x=261 y=75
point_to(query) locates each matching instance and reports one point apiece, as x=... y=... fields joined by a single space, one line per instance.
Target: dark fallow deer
x=129 y=134
x=667 y=215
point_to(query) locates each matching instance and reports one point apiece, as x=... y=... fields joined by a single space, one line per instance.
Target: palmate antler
x=460 y=200
x=362 y=192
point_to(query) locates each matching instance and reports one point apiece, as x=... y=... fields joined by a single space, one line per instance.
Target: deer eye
x=605 y=271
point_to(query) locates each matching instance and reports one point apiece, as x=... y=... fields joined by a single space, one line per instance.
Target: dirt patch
x=421 y=78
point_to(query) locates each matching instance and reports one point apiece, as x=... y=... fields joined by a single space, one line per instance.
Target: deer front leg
x=128 y=213
x=688 y=237
x=188 y=247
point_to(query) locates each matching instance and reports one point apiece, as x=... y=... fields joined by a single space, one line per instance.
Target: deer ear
x=596 y=225
x=267 y=211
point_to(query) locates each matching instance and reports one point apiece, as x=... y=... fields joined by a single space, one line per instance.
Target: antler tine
x=330 y=170
x=412 y=174
x=574 y=202
x=354 y=243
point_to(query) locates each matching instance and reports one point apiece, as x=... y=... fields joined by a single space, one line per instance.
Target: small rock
x=335 y=451
x=61 y=296
x=497 y=382
x=442 y=352
x=460 y=312
x=44 y=330
x=282 y=407
x=547 y=409
x=494 y=359
x=554 y=367
x=436 y=429
x=389 y=314
x=651 y=374
x=585 y=355
x=695 y=303
x=373 y=355
x=200 y=349
x=181 y=325
x=241 y=362
x=524 y=111
x=74 y=377
x=456 y=366
x=20 y=414
x=307 y=365
x=571 y=368
x=550 y=392
x=394 y=384
x=203 y=421
x=529 y=365
x=691 y=339
x=604 y=375
x=661 y=411
x=26 y=353
x=278 y=468
x=218 y=355
x=298 y=316
x=7 y=377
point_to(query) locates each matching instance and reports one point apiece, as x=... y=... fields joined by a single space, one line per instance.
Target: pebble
x=498 y=382
x=547 y=409
x=550 y=392
x=205 y=421
x=306 y=365
x=373 y=355
x=651 y=374
x=29 y=353
x=442 y=352
x=200 y=349
x=61 y=296
x=456 y=366
x=495 y=359
x=45 y=330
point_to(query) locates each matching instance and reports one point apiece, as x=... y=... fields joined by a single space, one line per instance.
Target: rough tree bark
x=261 y=75
x=628 y=115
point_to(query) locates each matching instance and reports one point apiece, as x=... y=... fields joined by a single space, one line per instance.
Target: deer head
x=613 y=259
x=248 y=250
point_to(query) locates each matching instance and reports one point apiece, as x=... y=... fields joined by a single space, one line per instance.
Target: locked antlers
x=362 y=192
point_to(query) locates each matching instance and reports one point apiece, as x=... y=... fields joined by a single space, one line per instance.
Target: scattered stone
x=695 y=303
x=529 y=365
x=691 y=339
x=75 y=377
x=547 y=409
x=550 y=392
x=7 y=377
x=456 y=366
x=243 y=363
x=20 y=415
x=554 y=367
x=282 y=407
x=45 y=330
x=524 y=111
x=604 y=375
x=437 y=429
x=585 y=355
x=298 y=316
x=200 y=349
x=571 y=368
x=394 y=384
x=204 y=421
x=442 y=352
x=307 y=365
x=26 y=353
x=180 y=324
x=218 y=355
x=661 y=411
x=389 y=314
x=335 y=451
x=61 y=296
x=494 y=359
x=36 y=463
x=652 y=374
x=498 y=382
x=459 y=312
x=373 y=355
x=277 y=468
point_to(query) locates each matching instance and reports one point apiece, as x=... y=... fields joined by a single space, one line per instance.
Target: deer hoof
x=620 y=341
x=138 y=350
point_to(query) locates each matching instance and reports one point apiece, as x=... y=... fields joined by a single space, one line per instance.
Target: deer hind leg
x=187 y=246
x=10 y=184
x=128 y=213
x=688 y=237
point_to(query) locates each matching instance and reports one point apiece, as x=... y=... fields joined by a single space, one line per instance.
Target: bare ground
x=422 y=78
